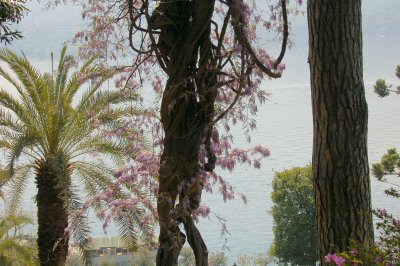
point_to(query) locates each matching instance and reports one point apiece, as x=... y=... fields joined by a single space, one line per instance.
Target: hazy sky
x=46 y=31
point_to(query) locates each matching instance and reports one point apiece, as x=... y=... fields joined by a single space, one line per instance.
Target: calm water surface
x=285 y=127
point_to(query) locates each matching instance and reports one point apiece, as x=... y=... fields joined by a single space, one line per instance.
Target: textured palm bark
x=340 y=115
x=52 y=217
x=187 y=111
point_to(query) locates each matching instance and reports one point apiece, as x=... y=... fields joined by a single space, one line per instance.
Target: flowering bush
x=335 y=259
x=359 y=254
x=386 y=252
x=389 y=239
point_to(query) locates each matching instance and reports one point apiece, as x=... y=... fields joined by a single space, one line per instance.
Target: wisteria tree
x=205 y=64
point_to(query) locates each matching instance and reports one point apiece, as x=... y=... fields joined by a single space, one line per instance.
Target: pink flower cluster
x=382 y=212
x=333 y=258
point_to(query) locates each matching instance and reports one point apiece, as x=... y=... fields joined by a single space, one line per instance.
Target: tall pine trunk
x=340 y=116
x=52 y=216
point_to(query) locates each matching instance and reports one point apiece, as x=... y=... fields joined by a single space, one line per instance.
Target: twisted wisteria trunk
x=187 y=111
x=186 y=128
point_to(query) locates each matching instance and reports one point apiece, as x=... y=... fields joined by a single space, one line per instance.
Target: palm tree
x=15 y=249
x=52 y=138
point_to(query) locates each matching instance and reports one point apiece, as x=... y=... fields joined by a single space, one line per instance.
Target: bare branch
x=285 y=34
x=238 y=27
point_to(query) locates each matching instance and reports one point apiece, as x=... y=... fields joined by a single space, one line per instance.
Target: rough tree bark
x=52 y=216
x=340 y=116
x=186 y=114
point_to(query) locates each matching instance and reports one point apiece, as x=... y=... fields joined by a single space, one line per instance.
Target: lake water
x=285 y=127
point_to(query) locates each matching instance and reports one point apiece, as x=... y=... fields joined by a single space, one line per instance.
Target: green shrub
x=295 y=239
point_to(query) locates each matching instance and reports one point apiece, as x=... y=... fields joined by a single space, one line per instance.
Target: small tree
x=218 y=259
x=389 y=165
x=15 y=248
x=187 y=258
x=144 y=257
x=389 y=239
x=11 y=12
x=295 y=240
x=383 y=90
x=258 y=259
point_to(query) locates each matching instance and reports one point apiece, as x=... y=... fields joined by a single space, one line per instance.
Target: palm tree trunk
x=52 y=216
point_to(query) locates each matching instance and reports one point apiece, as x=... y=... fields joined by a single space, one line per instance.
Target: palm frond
x=80 y=136
x=94 y=90
x=8 y=121
x=30 y=78
x=14 y=105
x=3 y=180
x=72 y=135
x=35 y=100
x=8 y=133
x=61 y=101
x=78 y=121
x=106 y=98
x=16 y=188
x=95 y=104
x=79 y=224
x=62 y=71
x=86 y=73
x=113 y=115
x=95 y=177
x=17 y=147
x=13 y=82
x=129 y=227
x=116 y=150
x=5 y=144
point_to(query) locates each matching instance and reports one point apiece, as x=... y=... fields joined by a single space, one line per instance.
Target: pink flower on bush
x=329 y=258
x=354 y=252
x=382 y=212
x=334 y=259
